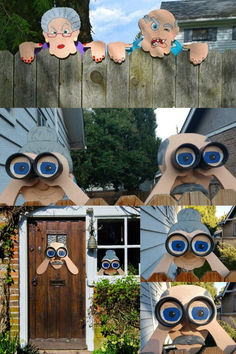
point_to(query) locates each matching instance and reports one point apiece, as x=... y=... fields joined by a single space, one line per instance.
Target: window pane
x=234 y=229
x=51 y=238
x=204 y=34
x=133 y=261
x=111 y=232
x=134 y=231
x=101 y=253
x=56 y=238
x=188 y=35
x=234 y=33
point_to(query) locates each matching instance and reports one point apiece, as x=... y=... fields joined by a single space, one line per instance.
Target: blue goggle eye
x=171 y=314
x=21 y=168
x=50 y=253
x=48 y=168
x=105 y=265
x=115 y=265
x=200 y=313
x=201 y=246
x=185 y=159
x=61 y=252
x=178 y=245
x=212 y=157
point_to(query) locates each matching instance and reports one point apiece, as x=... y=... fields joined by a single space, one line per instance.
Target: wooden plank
x=231 y=277
x=194 y=198
x=186 y=82
x=141 y=77
x=47 y=80
x=186 y=276
x=94 y=82
x=96 y=201
x=164 y=72
x=118 y=84
x=70 y=81
x=159 y=277
x=225 y=197
x=211 y=277
x=6 y=79
x=24 y=83
x=228 y=79
x=162 y=199
x=210 y=80
x=131 y=200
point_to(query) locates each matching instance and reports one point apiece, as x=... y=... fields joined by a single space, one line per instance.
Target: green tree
x=121 y=148
x=20 y=21
x=210 y=287
x=208 y=214
x=227 y=254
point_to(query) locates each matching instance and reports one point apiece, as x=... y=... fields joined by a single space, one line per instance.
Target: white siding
x=150 y=294
x=155 y=224
x=14 y=127
x=224 y=38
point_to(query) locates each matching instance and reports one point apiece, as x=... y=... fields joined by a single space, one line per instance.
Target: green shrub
x=11 y=345
x=115 y=307
x=230 y=329
x=227 y=255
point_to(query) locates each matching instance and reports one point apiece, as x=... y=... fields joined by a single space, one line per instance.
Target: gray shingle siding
x=155 y=224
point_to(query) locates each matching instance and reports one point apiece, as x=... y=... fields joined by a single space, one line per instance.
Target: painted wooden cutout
x=189 y=244
x=56 y=255
x=188 y=162
x=110 y=264
x=158 y=29
x=61 y=28
x=41 y=171
x=187 y=314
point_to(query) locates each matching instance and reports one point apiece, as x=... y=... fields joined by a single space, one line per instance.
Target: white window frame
x=125 y=246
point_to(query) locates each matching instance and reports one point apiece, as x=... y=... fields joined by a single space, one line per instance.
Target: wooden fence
x=141 y=81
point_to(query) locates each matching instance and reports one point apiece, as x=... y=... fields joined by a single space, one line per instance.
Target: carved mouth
x=60 y=46
x=158 y=42
x=188 y=340
x=57 y=263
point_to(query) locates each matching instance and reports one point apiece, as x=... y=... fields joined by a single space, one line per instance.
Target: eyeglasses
x=51 y=252
x=107 y=264
x=64 y=34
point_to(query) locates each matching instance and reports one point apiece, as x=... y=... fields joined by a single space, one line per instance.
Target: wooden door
x=57 y=297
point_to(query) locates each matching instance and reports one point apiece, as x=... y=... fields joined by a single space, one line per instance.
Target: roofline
x=228 y=215
x=226 y=288
x=188 y=120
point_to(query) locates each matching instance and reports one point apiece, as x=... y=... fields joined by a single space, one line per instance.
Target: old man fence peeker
x=141 y=81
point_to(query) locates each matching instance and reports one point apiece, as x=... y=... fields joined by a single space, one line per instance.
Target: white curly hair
x=61 y=12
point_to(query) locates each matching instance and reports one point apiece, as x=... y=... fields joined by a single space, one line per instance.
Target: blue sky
x=114 y=20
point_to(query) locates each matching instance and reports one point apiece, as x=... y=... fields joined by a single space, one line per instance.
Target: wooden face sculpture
x=56 y=255
x=187 y=314
x=110 y=264
x=189 y=244
x=41 y=171
x=188 y=162
x=159 y=29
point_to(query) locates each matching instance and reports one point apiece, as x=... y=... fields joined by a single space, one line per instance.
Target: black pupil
x=48 y=168
x=186 y=158
x=178 y=245
x=22 y=168
x=213 y=157
x=200 y=313
x=201 y=246
x=172 y=314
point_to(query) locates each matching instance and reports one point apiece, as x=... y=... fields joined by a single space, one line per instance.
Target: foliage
x=121 y=149
x=208 y=214
x=10 y=345
x=115 y=306
x=20 y=20
x=119 y=345
x=231 y=330
x=227 y=254
x=210 y=287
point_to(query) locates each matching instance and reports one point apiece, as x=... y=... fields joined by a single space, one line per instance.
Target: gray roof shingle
x=187 y=9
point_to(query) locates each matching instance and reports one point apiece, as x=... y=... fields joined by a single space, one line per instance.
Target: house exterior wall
x=15 y=124
x=150 y=294
x=155 y=224
x=224 y=35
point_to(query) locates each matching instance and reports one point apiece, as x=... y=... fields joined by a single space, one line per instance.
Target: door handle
x=35 y=282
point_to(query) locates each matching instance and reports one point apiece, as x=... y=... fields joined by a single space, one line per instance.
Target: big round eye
x=62 y=252
x=115 y=265
x=66 y=32
x=169 y=312
x=186 y=156
x=176 y=245
x=214 y=155
x=154 y=26
x=202 y=245
x=201 y=311
x=47 y=166
x=19 y=166
x=50 y=252
x=105 y=264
